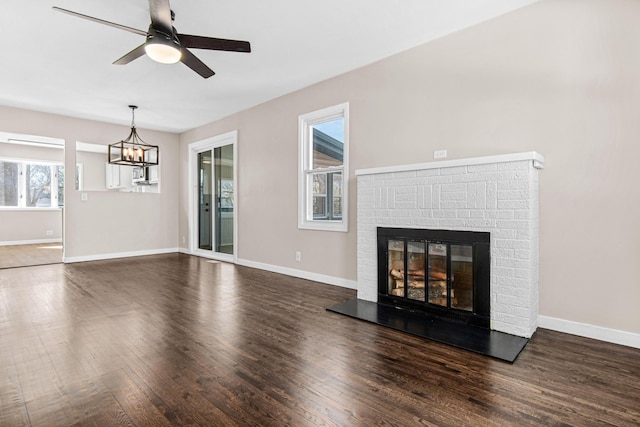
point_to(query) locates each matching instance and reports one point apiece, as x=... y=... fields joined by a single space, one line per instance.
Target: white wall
x=559 y=77
x=108 y=222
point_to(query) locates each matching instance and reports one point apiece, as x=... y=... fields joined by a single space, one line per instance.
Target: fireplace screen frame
x=479 y=314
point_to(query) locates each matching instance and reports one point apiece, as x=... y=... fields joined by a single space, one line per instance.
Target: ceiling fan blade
x=211 y=43
x=101 y=21
x=160 y=12
x=191 y=61
x=134 y=54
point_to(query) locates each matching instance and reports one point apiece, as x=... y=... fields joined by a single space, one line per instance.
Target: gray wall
x=108 y=222
x=558 y=77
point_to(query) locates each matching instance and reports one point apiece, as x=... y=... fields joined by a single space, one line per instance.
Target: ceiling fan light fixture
x=163 y=50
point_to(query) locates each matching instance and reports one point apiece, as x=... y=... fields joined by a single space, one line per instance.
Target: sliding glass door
x=223 y=212
x=214 y=199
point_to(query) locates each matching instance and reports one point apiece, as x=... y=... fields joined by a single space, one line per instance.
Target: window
x=323 y=139
x=26 y=184
x=9 y=194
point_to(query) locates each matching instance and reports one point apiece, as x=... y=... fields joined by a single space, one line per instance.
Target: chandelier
x=133 y=151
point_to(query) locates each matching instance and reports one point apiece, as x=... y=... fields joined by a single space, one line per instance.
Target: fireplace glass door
x=396 y=268
x=462 y=277
x=437 y=273
x=441 y=272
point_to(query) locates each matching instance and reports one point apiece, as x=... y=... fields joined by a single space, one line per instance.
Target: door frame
x=229 y=138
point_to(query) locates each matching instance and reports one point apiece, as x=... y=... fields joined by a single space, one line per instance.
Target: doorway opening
x=32 y=180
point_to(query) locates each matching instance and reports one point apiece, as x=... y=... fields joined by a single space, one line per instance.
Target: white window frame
x=305 y=155
x=22 y=166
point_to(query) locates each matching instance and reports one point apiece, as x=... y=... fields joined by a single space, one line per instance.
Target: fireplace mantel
x=537 y=158
x=495 y=194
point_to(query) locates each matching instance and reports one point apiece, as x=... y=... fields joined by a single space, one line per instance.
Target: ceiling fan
x=164 y=44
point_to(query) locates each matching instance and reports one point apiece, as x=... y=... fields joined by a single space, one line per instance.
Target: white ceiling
x=57 y=63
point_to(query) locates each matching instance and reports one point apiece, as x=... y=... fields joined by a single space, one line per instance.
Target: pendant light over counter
x=133 y=151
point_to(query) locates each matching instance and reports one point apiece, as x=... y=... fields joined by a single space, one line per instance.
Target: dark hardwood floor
x=175 y=340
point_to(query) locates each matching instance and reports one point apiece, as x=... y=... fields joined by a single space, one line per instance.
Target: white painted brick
x=425 y=222
x=502 y=271
x=475 y=197
x=405 y=205
x=492 y=199
x=510 y=243
x=490 y=167
x=513 y=185
x=517 y=224
x=509 y=166
x=439 y=179
x=404 y=175
x=458 y=188
x=435 y=196
x=457 y=170
x=512 y=175
x=453 y=195
x=401 y=213
x=453 y=204
x=511 y=262
x=476 y=177
x=503 y=252
x=504 y=234
x=450 y=223
x=513 y=195
x=428 y=172
x=481 y=223
x=514 y=204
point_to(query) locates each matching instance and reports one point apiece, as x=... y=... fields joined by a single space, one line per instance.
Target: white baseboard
x=330 y=280
x=614 y=336
x=98 y=257
x=30 y=242
x=185 y=251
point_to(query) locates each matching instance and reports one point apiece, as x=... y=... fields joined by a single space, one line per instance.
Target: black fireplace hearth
x=435 y=284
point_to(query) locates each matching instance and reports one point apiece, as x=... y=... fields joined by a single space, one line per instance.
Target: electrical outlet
x=440 y=154
x=84 y=197
x=184 y=240
x=49 y=232
x=298 y=256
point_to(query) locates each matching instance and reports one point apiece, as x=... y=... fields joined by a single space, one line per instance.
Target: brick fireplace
x=495 y=194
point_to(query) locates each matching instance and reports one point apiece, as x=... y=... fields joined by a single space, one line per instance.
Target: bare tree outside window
x=38 y=183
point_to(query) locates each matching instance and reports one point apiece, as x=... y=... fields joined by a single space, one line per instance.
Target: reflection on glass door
x=216 y=212
x=204 y=200
x=224 y=186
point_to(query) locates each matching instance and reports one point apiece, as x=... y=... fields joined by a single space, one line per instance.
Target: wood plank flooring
x=12 y=256
x=175 y=340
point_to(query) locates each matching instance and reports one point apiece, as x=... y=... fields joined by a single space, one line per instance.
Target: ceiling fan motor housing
x=161 y=47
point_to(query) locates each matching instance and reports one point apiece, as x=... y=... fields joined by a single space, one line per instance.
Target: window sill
x=21 y=209
x=340 y=226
